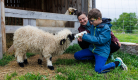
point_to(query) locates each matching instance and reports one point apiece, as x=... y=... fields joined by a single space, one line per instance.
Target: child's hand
x=80 y=38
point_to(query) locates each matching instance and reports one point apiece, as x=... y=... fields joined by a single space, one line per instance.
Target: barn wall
x=52 y=6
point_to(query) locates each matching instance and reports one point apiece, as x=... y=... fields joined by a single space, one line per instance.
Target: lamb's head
x=65 y=36
x=72 y=11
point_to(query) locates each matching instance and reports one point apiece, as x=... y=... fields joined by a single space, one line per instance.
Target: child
x=85 y=26
x=100 y=40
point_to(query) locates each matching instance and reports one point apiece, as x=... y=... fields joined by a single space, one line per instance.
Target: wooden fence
x=29 y=18
x=24 y=17
x=52 y=6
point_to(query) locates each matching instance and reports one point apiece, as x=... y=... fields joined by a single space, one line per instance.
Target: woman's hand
x=80 y=38
x=118 y=43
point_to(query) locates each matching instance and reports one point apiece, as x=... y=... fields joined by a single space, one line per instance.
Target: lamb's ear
x=71 y=37
x=62 y=41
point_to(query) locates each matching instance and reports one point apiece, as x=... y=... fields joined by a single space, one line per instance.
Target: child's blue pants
x=100 y=61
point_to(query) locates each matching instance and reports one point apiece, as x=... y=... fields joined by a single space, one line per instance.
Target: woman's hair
x=80 y=13
x=94 y=13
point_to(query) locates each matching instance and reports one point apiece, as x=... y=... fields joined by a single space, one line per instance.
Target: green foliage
x=72 y=49
x=30 y=76
x=6 y=59
x=128 y=20
x=8 y=77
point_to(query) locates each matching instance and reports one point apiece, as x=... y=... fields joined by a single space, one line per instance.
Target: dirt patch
x=32 y=67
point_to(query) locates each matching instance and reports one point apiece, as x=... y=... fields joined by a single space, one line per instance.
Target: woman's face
x=83 y=19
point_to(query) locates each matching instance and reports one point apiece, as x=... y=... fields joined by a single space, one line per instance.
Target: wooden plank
x=25 y=22
x=1 y=52
x=56 y=6
x=93 y=3
x=12 y=29
x=3 y=26
x=63 y=7
x=70 y=3
x=53 y=6
x=31 y=22
x=82 y=5
x=38 y=15
x=59 y=6
x=75 y=4
x=66 y=5
x=76 y=25
x=43 y=5
x=2 y=31
x=50 y=6
x=79 y=7
x=86 y=6
x=89 y=5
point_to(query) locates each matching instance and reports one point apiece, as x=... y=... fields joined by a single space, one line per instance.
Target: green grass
x=8 y=77
x=29 y=55
x=6 y=59
x=127 y=37
x=72 y=49
x=84 y=70
x=72 y=69
x=28 y=76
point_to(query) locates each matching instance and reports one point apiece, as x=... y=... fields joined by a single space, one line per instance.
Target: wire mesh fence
x=124 y=15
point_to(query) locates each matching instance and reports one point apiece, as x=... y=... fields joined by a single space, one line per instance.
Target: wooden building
x=18 y=13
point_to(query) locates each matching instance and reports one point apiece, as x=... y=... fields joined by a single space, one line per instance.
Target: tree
x=126 y=21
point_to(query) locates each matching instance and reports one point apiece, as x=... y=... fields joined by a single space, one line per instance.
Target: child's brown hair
x=94 y=13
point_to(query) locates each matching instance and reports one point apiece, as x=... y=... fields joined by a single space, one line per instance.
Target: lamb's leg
x=49 y=63
x=19 y=54
x=40 y=59
x=20 y=60
x=25 y=59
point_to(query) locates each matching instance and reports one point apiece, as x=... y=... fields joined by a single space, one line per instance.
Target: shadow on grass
x=71 y=62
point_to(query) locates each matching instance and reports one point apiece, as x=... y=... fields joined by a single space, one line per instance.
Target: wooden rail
x=29 y=18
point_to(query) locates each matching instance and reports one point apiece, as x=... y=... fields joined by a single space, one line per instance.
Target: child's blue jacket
x=100 y=39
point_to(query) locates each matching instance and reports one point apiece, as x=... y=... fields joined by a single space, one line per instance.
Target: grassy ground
x=71 y=69
x=127 y=37
x=7 y=58
x=84 y=70
x=28 y=76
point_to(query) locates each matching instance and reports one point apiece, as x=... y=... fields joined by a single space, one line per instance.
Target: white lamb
x=31 y=39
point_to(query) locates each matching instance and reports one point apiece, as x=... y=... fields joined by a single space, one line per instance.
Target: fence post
x=31 y=22
x=93 y=3
x=1 y=54
x=89 y=5
x=76 y=26
x=2 y=30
